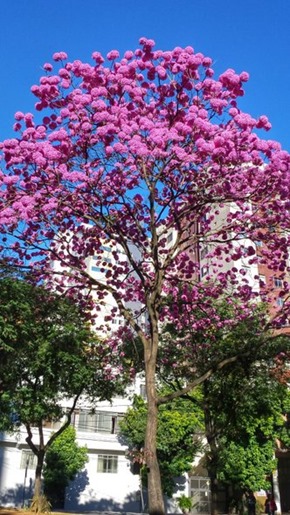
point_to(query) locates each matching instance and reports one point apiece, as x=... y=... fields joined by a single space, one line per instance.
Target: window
x=277 y=282
x=242 y=235
x=200 y=494
x=28 y=460
x=243 y=250
x=203 y=252
x=143 y=391
x=117 y=321
x=169 y=237
x=280 y=302
x=52 y=424
x=96 y=269
x=107 y=464
x=98 y=422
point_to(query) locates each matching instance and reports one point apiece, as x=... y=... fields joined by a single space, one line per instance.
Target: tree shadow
x=59 y=495
x=19 y=496
x=132 y=503
x=75 y=488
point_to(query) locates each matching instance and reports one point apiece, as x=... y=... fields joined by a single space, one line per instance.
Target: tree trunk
x=38 y=474
x=214 y=493
x=155 y=494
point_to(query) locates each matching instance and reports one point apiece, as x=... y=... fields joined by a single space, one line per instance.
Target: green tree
x=242 y=401
x=243 y=416
x=63 y=460
x=178 y=422
x=47 y=353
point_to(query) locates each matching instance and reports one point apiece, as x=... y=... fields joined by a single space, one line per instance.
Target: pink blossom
x=113 y=54
x=19 y=115
x=162 y=74
x=28 y=117
x=207 y=61
x=86 y=126
x=147 y=42
x=64 y=73
x=233 y=111
x=244 y=76
x=17 y=127
x=47 y=67
x=65 y=112
x=128 y=54
x=59 y=56
x=263 y=123
x=97 y=56
x=65 y=83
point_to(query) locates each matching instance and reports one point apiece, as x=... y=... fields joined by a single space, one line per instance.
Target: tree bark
x=214 y=492
x=38 y=473
x=155 y=494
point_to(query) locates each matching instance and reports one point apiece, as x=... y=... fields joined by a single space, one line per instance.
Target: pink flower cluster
x=132 y=149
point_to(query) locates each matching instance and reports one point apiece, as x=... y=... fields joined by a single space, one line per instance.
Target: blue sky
x=250 y=35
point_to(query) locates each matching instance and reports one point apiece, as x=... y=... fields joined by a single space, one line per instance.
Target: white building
x=106 y=483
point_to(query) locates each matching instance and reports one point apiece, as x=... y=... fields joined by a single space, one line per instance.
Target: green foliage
x=177 y=424
x=284 y=426
x=244 y=401
x=185 y=503
x=47 y=353
x=246 y=466
x=243 y=420
x=64 y=459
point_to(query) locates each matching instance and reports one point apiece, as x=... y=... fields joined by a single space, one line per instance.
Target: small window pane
x=143 y=391
x=28 y=460
x=107 y=464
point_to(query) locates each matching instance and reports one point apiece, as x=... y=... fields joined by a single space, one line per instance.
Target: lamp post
x=24 y=482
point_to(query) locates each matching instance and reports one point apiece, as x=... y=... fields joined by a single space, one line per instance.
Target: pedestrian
x=272 y=505
x=267 y=504
x=251 y=502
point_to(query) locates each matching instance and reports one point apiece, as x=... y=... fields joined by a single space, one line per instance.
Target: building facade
x=106 y=482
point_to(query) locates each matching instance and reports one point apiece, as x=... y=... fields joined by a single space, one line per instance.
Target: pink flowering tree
x=150 y=155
